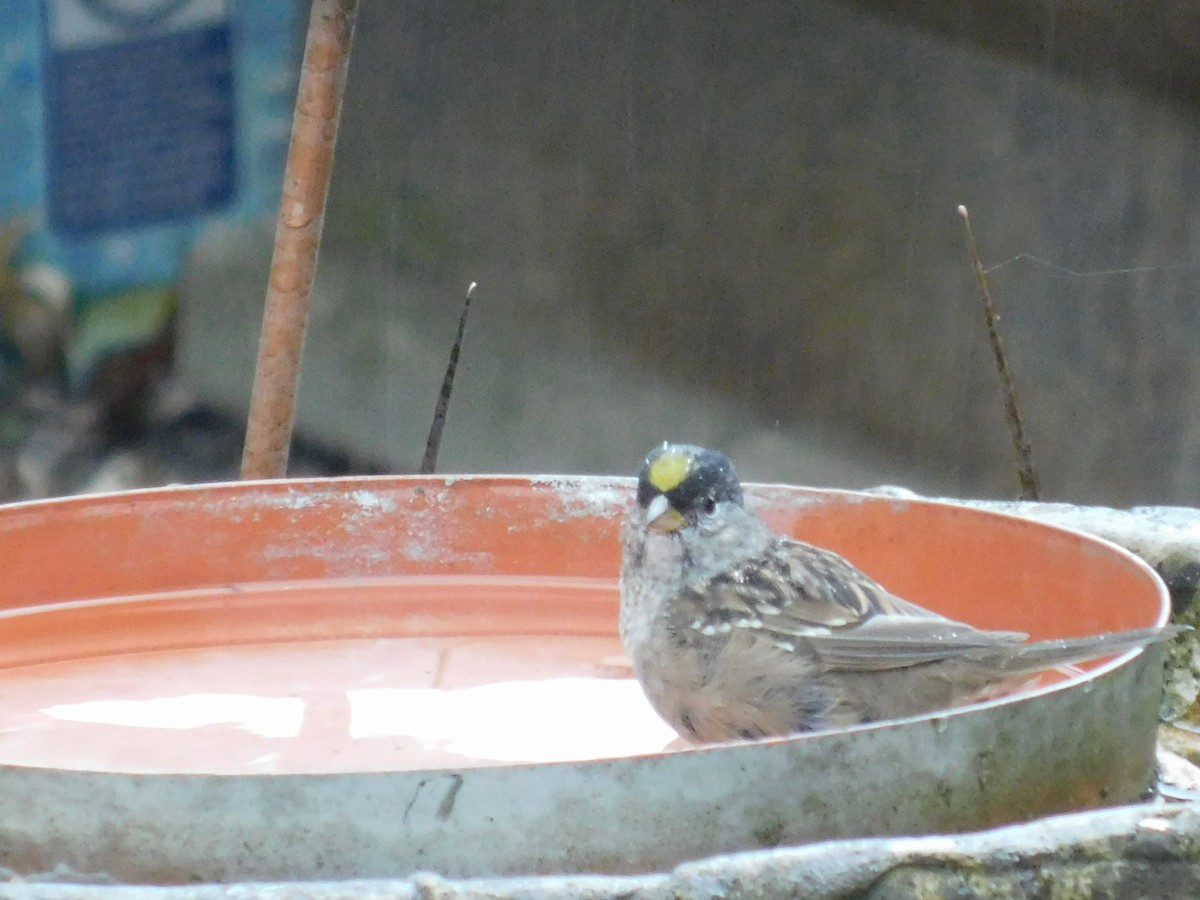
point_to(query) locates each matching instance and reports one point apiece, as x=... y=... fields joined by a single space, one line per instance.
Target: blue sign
x=139 y=112
x=129 y=130
x=134 y=230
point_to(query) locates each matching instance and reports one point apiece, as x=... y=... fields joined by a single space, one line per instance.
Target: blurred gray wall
x=735 y=223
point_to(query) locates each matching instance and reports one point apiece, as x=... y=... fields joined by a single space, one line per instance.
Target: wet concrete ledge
x=1150 y=850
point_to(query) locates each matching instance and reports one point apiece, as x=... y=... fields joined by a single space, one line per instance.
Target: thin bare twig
x=434 y=442
x=1031 y=488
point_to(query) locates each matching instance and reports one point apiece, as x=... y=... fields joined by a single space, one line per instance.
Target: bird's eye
x=709 y=505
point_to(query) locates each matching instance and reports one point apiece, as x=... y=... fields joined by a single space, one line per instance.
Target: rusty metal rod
x=298 y=237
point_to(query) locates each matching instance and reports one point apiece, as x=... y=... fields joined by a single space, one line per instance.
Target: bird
x=736 y=632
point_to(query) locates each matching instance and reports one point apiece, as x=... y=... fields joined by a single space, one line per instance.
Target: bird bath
x=368 y=677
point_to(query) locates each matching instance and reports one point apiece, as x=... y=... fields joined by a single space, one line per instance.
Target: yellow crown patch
x=670 y=469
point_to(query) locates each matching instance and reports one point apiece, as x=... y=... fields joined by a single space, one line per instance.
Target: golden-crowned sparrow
x=737 y=632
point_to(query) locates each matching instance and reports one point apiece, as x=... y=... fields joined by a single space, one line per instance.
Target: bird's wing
x=801 y=594
x=895 y=642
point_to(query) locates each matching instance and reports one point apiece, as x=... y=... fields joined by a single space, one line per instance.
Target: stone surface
x=668 y=204
x=524 y=401
x=1139 y=851
x=1147 y=45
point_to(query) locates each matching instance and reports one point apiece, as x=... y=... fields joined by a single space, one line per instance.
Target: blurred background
x=723 y=223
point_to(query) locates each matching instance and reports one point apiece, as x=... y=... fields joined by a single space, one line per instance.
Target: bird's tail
x=1025 y=658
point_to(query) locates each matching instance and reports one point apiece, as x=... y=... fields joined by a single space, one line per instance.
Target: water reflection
x=545 y=720
x=270 y=717
x=548 y=720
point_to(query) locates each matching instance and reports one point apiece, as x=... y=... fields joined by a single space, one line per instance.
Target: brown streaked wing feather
x=797 y=590
x=793 y=589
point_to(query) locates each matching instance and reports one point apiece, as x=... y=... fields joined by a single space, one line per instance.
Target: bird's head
x=680 y=485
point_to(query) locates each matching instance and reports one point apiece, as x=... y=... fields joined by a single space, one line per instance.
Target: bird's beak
x=661 y=517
